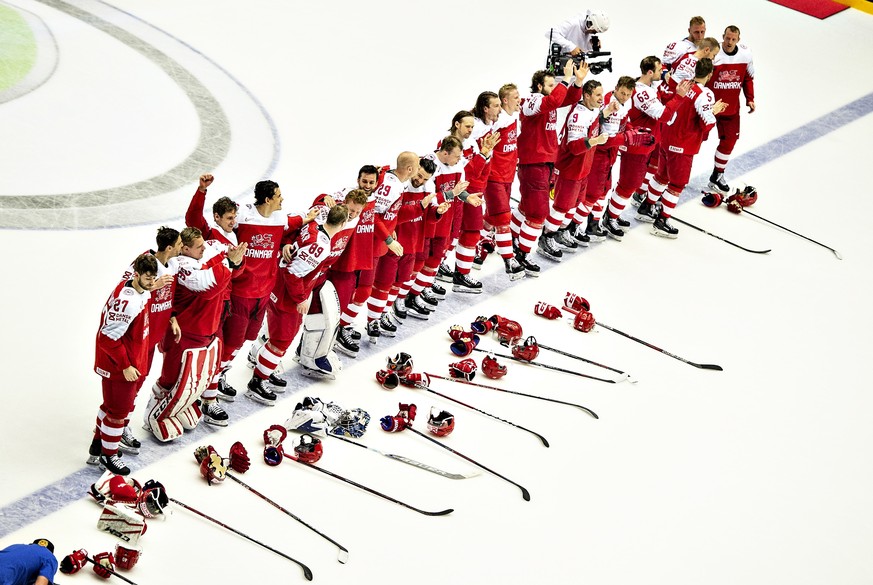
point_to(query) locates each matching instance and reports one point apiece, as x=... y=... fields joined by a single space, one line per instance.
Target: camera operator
x=578 y=35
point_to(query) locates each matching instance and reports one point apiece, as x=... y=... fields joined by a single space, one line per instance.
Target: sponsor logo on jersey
x=677 y=149
x=102 y=372
x=261 y=241
x=118 y=317
x=274 y=298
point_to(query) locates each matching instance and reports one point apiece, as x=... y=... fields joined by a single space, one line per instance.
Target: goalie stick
x=306 y=571
x=691 y=225
x=626 y=378
x=837 y=254
x=476 y=384
x=408 y=461
x=524 y=493
x=547 y=366
x=343 y=555
x=371 y=490
x=108 y=570
x=665 y=352
x=456 y=401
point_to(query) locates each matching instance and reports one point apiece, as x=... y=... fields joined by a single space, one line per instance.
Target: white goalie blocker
x=169 y=414
x=319 y=333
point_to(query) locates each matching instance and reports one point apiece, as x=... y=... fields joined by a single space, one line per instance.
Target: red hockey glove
x=464 y=369
x=547 y=311
x=576 y=303
x=638 y=137
x=483 y=324
x=711 y=199
x=734 y=206
x=274 y=435
x=388 y=379
x=464 y=346
x=104 y=564
x=407 y=412
x=416 y=381
x=393 y=424
x=73 y=562
x=239 y=458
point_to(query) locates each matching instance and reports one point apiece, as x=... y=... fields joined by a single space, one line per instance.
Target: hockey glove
x=239 y=458
x=638 y=137
x=711 y=199
x=464 y=369
x=73 y=562
x=576 y=303
x=483 y=324
x=392 y=424
x=104 y=564
x=416 y=381
x=275 y=434
x=273 y=455
x=547 y=311
x=388 y=379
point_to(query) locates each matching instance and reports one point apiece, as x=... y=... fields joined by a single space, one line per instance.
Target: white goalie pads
x=169 y=415
x=319 y=333
x=121 y=522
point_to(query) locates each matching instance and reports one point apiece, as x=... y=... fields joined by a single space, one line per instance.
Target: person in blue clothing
x=28 y=564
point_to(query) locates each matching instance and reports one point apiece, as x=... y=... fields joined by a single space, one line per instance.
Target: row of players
x=205 y=291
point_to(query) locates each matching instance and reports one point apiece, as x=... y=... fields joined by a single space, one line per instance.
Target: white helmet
x=597 y=21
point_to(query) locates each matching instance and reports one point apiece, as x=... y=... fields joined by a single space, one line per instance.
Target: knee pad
x=499 y=220
x=469 y=239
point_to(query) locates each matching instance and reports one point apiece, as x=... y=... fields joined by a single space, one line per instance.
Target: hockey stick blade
x=837 y=254
x=626 y=377
x=342 y=555
x=409 y=461
x=524 y=493
x=477 y=385
x=307 y=572
x=691 y=225
x=665 y=352
x=546 y=366
x=372 y=491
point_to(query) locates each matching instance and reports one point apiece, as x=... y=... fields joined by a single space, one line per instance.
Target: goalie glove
x=576 y=303
x=464 y=369
x=104 y=564
x=73 y=562
x=303 y=419
x=547 y=311
x=388 y=379
x=584 y=321
x=239 y=457
x=638 y=137
x=126 y=558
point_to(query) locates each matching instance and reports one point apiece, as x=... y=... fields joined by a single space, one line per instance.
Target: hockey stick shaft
x=374 y=492
x=110 y=571
x=343 y=556
x=546 y=366
x=837 y=254
x=503 y=420
x=582 y=359
x=477 y=385
x=306 y=571
x=691 y=225
x=665 y=352
x=524 y=493
x=407 y=460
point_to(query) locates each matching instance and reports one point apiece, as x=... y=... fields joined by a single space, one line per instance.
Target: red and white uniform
x=264 y=237
x=123 y=337
x=388 y=199
x=732 y=73
x=605 y=155
x=676 y=50
x=195 y=218
x=504 y=158
x=340 y=240
x=160 y=305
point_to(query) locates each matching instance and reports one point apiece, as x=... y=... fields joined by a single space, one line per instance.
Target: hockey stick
x=110 y=571
x=837 y=254
x=691 y=225
x=548 y=367
x=372 y=491
x=524 y=493
x=343 y=555
x=476 y=384
x=306 y=571
x=408 y=461
x=665 y=352
x=456 y=401
x=627 y=377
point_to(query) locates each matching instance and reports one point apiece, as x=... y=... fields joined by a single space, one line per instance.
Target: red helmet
x=527 y=351
x=309 y=449
x=584 y=321
x=441 y=424
x=491 y=368
x=401 y=363
x=508 y=331
x=126 y=558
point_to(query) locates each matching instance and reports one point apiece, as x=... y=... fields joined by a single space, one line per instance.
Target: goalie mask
x=351 y=423
x=309 y=449
x=491 y=368
x=440 y=424
x=527 y=351
x=153 y=499
x=464 y=369
x=401 y=363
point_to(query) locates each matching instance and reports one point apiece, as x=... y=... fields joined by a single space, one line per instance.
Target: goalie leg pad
x=319 y=332
x=122 y=523
x=170 y=415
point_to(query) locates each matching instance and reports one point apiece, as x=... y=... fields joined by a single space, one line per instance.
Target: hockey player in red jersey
x=121 y=358
x=537 y=152
x=682 y=68
x=696 y=33
x=224 y=212
x=580 y=135
x=681 y=136
x=733 y=72
x=291 y=298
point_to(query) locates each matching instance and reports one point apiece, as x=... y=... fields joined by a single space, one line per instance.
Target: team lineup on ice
x=386 y=302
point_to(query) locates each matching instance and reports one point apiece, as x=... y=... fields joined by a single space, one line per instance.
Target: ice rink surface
x=758 y=474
